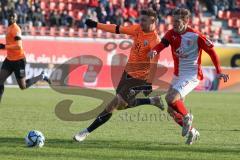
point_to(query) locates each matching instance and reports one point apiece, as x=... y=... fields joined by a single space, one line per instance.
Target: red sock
x=178 y=118
x=179 y=107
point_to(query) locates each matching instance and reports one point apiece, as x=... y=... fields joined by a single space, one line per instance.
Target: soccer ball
x=35 y=139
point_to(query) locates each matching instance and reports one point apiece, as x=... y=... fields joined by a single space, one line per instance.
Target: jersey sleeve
x=152 y=45
x=166 y=40
x=153 y=62
x=129 y=30
x=204 y=42
x=207 y=46
x=155 y=42
x=16 y=32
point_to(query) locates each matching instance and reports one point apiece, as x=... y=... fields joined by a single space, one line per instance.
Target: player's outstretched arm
x=16 y=46
x=214 y=57
x=208 y=47
x=112 y=28
x=165 y=42
x=156 y=50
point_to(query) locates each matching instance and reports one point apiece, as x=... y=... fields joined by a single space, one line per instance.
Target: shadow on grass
x=67 y=149
x=221 y=130
x=126 y=145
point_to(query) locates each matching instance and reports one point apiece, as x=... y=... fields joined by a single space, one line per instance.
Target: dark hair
x=149 y=12
x=182 y=12
x=11 y=13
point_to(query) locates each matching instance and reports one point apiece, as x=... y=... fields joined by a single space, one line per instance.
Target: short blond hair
x=182 y=13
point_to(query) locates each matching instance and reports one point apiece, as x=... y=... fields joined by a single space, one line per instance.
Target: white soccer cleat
x=193 y=136
x=187 y=124
x=158 y=102
x=81 y=136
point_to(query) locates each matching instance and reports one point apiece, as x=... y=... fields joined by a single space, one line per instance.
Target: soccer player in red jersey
x=186 y=45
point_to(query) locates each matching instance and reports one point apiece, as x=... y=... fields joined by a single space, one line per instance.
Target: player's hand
x=225 y=77
x=2 y=46
x=152 y=54
x=90 y=23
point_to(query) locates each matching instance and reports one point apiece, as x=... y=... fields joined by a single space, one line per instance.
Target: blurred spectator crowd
x=73 y=13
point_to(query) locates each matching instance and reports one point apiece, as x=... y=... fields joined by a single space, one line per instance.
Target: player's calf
x=101 y=119
x=173 y=99
x=157 y=101
x=178 y=118
x=24 y=84
x=184 y=121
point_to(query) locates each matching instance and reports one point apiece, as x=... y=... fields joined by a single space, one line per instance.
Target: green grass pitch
x=130 y=134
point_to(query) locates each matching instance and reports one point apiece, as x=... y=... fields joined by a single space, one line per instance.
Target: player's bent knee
x=172 y=97
x=115 y=103
x=169 y=99
x=132 y=103
x=170 y=111
x=111 y=106
x=121 y=102
x=109 y=110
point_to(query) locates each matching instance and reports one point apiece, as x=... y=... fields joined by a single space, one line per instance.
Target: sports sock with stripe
x=100 y=120
x=31 y=81
x=179 y=107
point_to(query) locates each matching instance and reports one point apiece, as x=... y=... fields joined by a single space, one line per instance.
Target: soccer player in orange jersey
x=15 y=60
x=138 y=71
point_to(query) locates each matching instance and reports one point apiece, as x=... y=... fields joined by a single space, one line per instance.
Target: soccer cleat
x=193 y=136
x=158 y=102
x=45 y=77
x=79 y=137
x=187 y=124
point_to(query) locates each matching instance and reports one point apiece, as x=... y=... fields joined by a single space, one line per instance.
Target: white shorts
x=184 y=85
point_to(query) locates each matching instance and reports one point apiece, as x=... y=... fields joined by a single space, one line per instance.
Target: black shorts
x=127 y=85
x=18 y=67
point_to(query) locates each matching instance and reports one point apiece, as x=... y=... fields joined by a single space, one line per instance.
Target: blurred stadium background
x=219 y=19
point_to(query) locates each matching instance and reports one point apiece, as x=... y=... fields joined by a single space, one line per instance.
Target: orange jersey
x=13 y=31
x=139 y=64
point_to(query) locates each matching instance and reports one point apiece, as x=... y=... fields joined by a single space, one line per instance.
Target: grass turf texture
x=216 y=115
